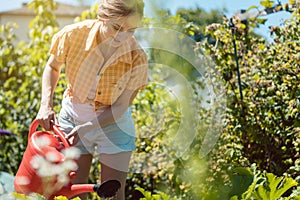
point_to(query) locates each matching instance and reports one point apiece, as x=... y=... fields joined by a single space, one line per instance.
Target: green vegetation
x=233 y=149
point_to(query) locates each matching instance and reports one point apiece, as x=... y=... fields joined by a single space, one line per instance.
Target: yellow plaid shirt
x=77 y=46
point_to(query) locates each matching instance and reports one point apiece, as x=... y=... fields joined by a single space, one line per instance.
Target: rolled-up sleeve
x=60 y=46
x=139 y=74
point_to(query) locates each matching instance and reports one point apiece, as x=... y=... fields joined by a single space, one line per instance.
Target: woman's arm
x=108 y=116
x=115 y=111
x=49 y=81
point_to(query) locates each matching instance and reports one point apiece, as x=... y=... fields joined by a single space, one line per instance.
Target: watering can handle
x=54 y=128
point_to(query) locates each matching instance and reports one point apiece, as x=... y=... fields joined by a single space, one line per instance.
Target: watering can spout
x=108 y=189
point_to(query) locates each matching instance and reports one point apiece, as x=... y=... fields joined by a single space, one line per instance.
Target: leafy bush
x=21 y=70
x=250 y=183
x=263 y=128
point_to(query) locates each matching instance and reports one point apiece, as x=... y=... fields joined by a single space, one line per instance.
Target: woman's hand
x=74 y=136
x=49 y=81
x=45 y=115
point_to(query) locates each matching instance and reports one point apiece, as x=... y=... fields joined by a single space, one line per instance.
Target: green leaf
x=234 y=198
x=60 y=198
x=261 y=20
x=262 y=192
x=274 y=187
x=252 y=7
x=267 y=4
x=192 y=33
x=292 y=2
x=285 y=186
x=273 y=183
x=256 y=77
x=156 y=197
x=20 y=196
x=250 y=190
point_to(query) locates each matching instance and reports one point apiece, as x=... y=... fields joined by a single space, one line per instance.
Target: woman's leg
x=82 y=174
x=115 y=167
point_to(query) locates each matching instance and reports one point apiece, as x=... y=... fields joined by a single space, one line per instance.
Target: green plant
x=251 y=183
x=262 y=128
x=38 y=197
x=271 y=188
x=149 y=196
x=21 y=69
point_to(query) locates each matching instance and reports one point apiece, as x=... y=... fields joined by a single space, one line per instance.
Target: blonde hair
x=115 y=9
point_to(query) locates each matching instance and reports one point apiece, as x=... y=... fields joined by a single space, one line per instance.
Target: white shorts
x=111 y=139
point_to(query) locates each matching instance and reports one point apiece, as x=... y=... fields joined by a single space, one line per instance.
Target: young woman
x=105 y=67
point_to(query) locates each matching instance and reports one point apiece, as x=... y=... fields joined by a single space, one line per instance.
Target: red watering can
x=49 y=163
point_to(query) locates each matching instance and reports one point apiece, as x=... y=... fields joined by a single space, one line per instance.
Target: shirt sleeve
x=139 y=74
x=60 y=46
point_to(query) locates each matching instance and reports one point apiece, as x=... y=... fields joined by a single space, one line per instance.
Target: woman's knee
x=118 y=162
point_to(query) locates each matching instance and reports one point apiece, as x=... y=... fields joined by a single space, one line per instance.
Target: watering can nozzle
x=107 y=189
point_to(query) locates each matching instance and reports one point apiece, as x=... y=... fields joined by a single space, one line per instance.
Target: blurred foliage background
x=252 y=144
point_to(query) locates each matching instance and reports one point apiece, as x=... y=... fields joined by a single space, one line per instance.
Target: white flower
x=69 y=165
x=62 y=179
x=42 y=141
x=58 y=169
x=37 y=161
x=46 y=170
x=52 y=157
x=71 y=153
x=22 y=180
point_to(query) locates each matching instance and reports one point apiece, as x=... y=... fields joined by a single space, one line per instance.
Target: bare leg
x=82 y=174
x=115 y=167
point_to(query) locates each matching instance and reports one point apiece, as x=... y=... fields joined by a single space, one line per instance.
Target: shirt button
x=120 y=88
x=99 y=92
